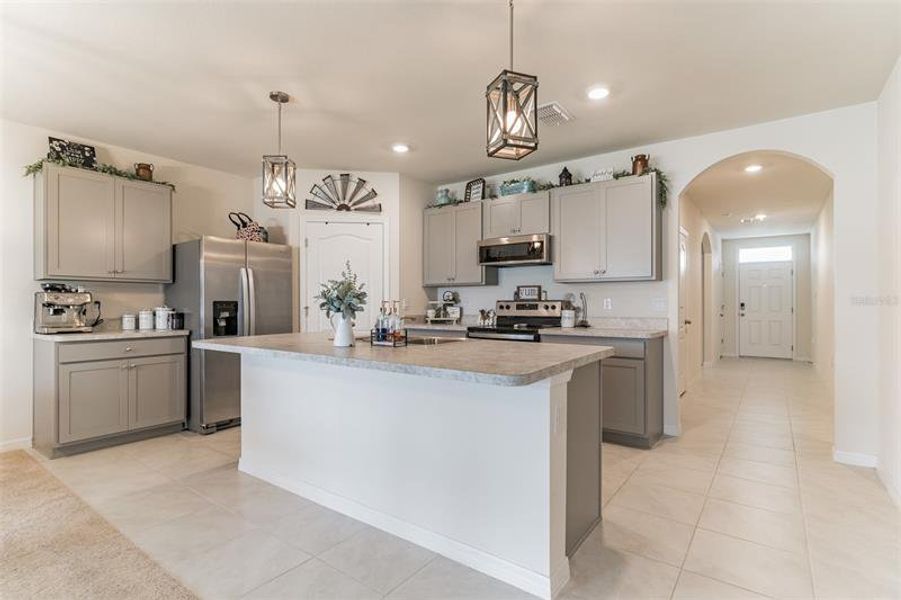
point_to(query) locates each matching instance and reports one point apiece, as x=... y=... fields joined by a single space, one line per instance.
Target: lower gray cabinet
x=91 y=394
x=623 y=388
x=156 y=391
x=631 y=388
x=93 y=399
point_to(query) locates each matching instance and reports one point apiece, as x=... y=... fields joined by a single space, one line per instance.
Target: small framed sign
x=77 y=155
x=528 y=292
x=475 y=190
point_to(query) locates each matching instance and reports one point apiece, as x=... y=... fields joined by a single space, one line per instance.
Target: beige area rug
x=53 y=545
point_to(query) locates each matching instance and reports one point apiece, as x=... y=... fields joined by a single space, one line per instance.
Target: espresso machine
x=60 y=308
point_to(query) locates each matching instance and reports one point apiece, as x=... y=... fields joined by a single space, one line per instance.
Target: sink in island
x=463 y=448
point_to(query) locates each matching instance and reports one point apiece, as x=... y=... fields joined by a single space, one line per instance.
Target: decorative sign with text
x=77 y=155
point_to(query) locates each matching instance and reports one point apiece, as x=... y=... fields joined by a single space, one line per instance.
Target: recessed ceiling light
x=753 y=169
x=598 y=92
x=400 y=148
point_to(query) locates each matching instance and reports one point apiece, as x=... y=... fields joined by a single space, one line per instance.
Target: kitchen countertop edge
x=109 y=335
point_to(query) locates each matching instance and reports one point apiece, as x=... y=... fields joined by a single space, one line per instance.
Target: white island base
x=473 y=471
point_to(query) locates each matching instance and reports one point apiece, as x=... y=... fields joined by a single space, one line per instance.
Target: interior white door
x=684 y=323
x=765 y=309
x=328 y=246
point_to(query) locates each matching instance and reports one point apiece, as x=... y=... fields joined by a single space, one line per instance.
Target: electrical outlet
x=608 y=303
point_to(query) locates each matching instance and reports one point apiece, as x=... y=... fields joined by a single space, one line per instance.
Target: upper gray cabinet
x=517 y=214
x=91 y=226
x=607 y=231
x=450 y=246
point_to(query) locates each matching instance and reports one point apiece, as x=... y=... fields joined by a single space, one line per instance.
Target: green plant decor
x=38 y=165
x=342 y=296
x=662 y=183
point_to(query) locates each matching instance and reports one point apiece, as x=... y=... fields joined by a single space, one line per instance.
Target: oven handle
x=516 y=337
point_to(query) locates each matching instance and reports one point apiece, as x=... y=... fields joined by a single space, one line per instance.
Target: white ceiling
x=788 y=190
x=190 y=80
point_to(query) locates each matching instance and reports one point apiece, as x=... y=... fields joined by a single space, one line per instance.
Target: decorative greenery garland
x=662 y=183
x=38 y=165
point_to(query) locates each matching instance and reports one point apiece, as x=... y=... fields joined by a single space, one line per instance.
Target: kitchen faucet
x=583 y=322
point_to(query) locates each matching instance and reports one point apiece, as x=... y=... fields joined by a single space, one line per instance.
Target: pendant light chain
x=511 y=35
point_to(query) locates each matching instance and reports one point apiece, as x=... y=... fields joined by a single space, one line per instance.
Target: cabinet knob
x=124 y=366
x=128 y=348
x=131 y=366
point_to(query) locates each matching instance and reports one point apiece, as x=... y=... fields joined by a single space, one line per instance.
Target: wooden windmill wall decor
x=346 y=193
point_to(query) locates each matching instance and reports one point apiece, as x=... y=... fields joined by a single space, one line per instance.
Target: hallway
x=750 y=497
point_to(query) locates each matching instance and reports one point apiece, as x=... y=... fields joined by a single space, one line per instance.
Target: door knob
x=687 y=322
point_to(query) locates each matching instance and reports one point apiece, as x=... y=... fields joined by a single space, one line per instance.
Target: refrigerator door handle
x=252 y=300
x=244 y=305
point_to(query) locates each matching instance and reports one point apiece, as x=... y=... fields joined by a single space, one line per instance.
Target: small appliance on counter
x=520 y=321
x=61 y=308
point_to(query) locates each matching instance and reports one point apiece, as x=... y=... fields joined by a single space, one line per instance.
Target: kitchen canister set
x=160 y=318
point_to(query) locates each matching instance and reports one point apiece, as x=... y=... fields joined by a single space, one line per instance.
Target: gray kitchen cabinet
x=631 y=388
x=144 y=248
x=75 y=225
x=96 y=393
x=156 y=391
x=93 y=399
x=517 y=214
x=607 y=231
x=450 y=246
x=96 y=227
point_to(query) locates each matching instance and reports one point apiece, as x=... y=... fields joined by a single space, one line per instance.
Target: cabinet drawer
x=85 y=351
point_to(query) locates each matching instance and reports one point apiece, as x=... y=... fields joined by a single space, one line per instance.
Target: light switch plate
x=608 y=303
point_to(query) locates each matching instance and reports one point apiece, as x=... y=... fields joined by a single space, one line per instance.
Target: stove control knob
x=553 y=307
x=546 y=307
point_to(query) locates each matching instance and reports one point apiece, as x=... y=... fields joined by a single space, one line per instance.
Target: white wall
x=843 y=143
x=697 y=226
x=889 y=216
x=414 y=197
x=803 y=306
x=822 y=292
x=202 y=200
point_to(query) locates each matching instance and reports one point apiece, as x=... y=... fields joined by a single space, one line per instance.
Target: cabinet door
x=156 y=391
x=144 y=232
x=502 y=216
x=80 y=226
x=93 y=399
x=535 y=213
x=624 y=398
x=467 y=233
x=630 y=229
x=578 y=233
x=438 y=247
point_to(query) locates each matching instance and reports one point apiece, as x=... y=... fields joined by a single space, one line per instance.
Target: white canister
x=567 y=318
x=129 y=321
x=162 y=316
x=145 y=319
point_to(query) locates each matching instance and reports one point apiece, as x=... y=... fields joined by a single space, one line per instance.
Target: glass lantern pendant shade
x=278 y=169
x=512 y=103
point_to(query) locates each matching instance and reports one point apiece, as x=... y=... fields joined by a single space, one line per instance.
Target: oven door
x=516 y=250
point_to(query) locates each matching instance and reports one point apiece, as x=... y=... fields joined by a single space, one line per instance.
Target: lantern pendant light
x=278 y=169
x=512 y=102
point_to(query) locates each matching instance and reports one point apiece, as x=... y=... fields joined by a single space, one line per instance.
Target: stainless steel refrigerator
x=227 y=288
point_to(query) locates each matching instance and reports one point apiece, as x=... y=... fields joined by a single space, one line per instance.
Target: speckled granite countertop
x=480 y=361
x=115 y=334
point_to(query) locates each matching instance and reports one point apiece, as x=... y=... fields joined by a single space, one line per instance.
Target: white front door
x=328 y=246
x=765 y=309
x=684 y=323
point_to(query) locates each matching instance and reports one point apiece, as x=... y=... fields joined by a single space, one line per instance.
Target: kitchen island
x=460 y=447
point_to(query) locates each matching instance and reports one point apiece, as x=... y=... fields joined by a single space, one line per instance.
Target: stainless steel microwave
x=515 y=250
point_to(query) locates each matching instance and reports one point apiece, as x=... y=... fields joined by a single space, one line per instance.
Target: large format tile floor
x=746 y=504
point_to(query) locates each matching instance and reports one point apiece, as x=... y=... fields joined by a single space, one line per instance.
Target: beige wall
x=202 y=199
x=822 y=277
x=699 y=352
x=801 y=252
x=888 y=303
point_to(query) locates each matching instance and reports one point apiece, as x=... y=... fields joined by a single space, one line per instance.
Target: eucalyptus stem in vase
x=342 y=299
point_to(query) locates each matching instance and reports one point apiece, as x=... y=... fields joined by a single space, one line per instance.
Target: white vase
x=344 y=331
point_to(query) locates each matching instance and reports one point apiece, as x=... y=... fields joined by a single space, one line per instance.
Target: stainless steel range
x=521 y=320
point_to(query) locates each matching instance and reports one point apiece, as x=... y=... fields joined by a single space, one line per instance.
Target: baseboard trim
x=508 y=572
x=857 y=459
x=17 y=444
